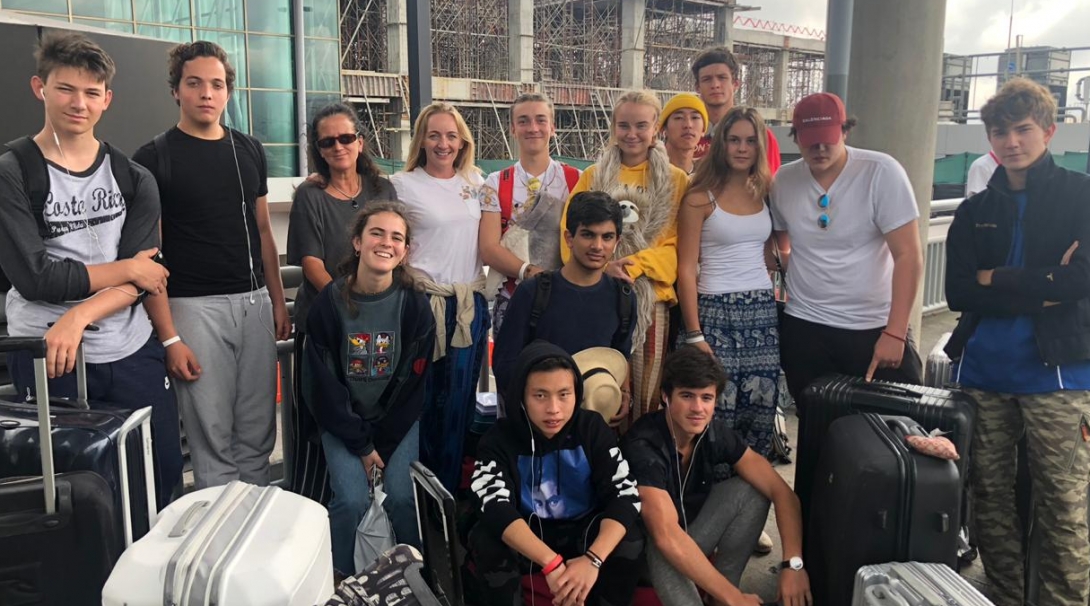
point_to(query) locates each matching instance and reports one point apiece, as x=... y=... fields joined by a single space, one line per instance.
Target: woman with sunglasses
x=443 y=192
x=322 y=209
x=635 y=170
x=724 y=231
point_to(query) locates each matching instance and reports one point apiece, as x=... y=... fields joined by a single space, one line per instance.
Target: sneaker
x=764 y=545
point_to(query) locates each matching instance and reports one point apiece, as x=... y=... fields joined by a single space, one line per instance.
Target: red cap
x=819 y=118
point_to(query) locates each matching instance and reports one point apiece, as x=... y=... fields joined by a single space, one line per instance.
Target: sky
x=975 y=26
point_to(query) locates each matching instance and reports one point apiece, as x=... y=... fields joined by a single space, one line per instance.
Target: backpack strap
x=541 y=301
x=624 y=312
x=162 y=161
x=571 y=176
x=35 y=178
x=122 y=169
x=507 y=196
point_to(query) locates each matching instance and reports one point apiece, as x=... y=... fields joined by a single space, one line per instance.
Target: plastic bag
x=375 y=534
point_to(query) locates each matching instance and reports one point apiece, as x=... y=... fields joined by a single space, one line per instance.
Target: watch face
x=795 y=563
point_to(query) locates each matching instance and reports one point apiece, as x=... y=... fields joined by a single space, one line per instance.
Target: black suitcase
x=60 y=551
x=876 y=501
x=830 y=398
x=438 y=535
x=397 y=577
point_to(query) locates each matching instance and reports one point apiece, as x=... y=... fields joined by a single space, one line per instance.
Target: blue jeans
x=352 y=496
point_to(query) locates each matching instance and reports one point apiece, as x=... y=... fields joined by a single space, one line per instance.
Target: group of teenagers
x=662 y=252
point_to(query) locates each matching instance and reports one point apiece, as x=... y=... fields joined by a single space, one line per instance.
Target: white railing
x=934 y=274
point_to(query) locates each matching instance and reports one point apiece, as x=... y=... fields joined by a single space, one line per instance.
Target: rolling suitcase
x=438 y=535
x=396 y=577
x=914 y=583
x=877 y=500
x=59 y=552
x=830 y=398
x=237 y=544
x=936 y=369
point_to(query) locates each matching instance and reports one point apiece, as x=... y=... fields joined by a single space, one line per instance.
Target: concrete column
x=724 y=25
x=894 y=84
x=397 y=38
x=520 y=36
x=838 y=45
x=632 y=43
x=783 y=80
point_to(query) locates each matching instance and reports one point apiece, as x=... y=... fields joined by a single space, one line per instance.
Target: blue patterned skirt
x=743 y=330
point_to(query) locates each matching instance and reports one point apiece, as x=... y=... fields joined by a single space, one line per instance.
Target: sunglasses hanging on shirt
x=823 y=218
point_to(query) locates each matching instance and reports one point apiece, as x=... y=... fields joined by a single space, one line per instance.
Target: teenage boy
x=554 y=493
x=687 y=514
x=80 y=252
x=1017 y=267
x=579 y=306
x=529 y=194
x=226 y=307
x=682 y=124
x=715 y=71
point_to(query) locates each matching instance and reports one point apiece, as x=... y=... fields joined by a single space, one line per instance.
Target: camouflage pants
x=1057 y=429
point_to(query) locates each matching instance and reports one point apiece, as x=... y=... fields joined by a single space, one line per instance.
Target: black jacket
x=1057 y=215
x=578 y=472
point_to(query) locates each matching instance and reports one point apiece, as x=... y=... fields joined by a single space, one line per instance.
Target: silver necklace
x=352 y=198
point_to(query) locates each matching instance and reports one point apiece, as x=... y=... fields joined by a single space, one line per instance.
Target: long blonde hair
x=713 y=171
x=464 y=162
x=639 y=97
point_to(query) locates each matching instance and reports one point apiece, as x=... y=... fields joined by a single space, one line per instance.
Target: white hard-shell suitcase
x=936 y=372
x=914 y=584
x=233 y=545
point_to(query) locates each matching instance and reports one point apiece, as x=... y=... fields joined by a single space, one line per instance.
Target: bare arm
x=314 y=271
x=904 y=244
x=695 y=208
x=63 y=338
x=519 y=537
x=783 y=243
x=270 y=262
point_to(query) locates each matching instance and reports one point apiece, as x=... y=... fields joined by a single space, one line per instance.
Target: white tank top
x=732 y=251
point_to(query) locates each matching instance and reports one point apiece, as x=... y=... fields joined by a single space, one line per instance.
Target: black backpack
x=624 y=307
x=36 y=181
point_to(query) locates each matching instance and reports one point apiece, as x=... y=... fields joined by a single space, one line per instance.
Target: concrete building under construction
x=582 y=53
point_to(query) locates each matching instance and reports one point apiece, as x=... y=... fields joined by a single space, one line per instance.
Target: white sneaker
x=764 y=545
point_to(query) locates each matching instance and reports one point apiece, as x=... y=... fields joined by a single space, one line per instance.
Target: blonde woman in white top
x=443 y=192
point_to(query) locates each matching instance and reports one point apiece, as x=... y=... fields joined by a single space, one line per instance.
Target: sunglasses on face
x=823 y=204
x=345 y=139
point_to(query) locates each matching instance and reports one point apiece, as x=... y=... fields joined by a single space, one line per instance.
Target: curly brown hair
x=186 y=52
x=1018 y=99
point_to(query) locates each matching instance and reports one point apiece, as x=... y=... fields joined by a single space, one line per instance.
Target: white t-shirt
x=842 y=276
x=552 y=180
x=980 y=172
x=445 y=215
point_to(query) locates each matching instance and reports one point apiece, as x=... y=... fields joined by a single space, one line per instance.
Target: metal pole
x=419 y=13
x=300 y=85
x=838 y=46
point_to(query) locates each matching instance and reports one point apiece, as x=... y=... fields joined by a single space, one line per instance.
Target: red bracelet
x=893 y=336
x=557 y=561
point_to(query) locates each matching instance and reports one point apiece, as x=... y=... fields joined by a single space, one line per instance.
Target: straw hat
x=604 y=371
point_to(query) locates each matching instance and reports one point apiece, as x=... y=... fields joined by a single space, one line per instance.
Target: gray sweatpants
x=229 y=413
x=730 y=523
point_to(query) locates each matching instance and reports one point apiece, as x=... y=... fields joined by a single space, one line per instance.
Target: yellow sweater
x=659 y=261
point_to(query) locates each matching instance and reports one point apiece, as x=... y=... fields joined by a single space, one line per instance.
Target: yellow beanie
x=683 y=101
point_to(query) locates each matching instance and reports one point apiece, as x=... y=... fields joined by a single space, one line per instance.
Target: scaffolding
x=757 y=81
x=363 y=35
x=488 y=123
x=577 y=41
x=805 y=76
x=675 y=31
x=469 y=39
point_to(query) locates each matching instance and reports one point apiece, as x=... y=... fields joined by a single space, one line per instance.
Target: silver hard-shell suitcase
x=915 y=584
x=936 y=371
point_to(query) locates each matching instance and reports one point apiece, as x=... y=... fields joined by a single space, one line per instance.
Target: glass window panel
x=270 y=62
x=219 y=14
x=235 y=46
x=323 y=65
x=106 y=9
x=316 y=101
x=320 y=18
x=237 y=115
x=271 y=16
x=172 y=12
x=173 y=34
x=273 y=116
x=117 y=26
x=57 y=7
x=282 y=160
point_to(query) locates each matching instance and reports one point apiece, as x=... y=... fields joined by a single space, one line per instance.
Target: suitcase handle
x=35 y=345
x=142 y=419
x=904 y=427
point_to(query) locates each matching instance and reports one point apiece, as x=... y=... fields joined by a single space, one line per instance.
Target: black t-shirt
x=649 y=448
x=204 y=233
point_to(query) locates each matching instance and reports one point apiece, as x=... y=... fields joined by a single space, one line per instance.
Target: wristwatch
x=794 y=563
